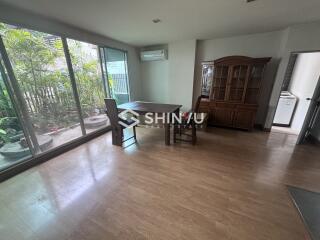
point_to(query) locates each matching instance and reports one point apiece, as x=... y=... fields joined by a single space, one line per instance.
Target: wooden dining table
x=142 y=108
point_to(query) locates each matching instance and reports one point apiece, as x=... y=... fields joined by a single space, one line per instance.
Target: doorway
x=294 y=113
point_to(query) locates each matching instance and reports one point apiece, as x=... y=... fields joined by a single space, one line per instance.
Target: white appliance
x=154 y=55
x=285 y=109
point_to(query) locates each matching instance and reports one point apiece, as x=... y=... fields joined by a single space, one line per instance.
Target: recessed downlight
x=156 y=20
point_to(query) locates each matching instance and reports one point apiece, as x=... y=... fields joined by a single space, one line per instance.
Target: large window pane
x=116 y=61
x=87 y=70
x=40 y=68
x=13 y=145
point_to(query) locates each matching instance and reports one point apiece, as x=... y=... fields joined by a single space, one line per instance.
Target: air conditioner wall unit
x=154 y=55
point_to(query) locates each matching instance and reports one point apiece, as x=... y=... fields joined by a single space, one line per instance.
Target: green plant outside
x=39 y=65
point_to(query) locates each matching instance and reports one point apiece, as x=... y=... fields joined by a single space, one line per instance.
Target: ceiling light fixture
x=156 y=20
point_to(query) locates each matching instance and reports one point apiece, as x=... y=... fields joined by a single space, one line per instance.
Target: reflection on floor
x=56 y=139
x=287 y=130
x=6 y=162
x=231 y=185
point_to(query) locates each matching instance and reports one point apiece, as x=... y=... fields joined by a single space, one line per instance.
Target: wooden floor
x=232 y=185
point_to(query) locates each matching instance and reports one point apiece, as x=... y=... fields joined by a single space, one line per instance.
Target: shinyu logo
x=129 y=118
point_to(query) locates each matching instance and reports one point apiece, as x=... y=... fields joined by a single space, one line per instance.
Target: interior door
x=311 y=115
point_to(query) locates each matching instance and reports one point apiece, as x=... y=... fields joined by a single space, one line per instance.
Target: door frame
x=300 y=138
x=104 y=50
x=306 y=127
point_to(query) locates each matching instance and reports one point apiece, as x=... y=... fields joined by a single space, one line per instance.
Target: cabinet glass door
x=237 y=82
x=252 y=93
x=220 y=83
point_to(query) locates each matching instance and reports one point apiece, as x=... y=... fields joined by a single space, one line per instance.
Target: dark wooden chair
x=117 y=129
x=187 y=129
x=197 y=106
x=197 y=111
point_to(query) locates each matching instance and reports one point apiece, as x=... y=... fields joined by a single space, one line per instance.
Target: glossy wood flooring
x=229 y=186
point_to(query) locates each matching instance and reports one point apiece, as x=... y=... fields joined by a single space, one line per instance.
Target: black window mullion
x=73 y=83
x=104 y=72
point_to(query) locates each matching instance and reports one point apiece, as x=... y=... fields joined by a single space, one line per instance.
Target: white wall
x=181 y=72
x=256 y=45
x=171 y=81
x=29 y=20
x=155 y=77
x=303 y=83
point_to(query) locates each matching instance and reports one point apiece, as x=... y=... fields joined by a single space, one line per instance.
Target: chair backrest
x=112 y=111
x=197 y=106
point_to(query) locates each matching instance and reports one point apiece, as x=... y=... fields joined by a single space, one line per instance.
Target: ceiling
x=130 y=21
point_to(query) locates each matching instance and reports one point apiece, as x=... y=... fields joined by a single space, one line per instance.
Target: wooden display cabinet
x=233 y=85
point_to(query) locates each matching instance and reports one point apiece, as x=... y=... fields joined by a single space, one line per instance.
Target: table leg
x=175 y=128
x=117 y=137
x=167 y=133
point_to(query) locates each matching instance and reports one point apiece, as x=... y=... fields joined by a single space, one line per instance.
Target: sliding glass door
x=117 y=74
x=14 y=147
x=90 y=85
x=40 y=70
x=52 y=91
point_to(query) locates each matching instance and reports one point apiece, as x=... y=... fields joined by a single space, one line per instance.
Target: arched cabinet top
x=234 y=60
